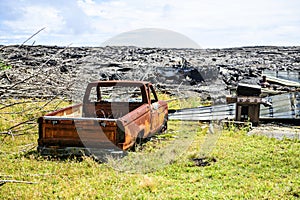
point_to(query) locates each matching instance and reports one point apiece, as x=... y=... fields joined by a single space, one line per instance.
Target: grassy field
x=237 y=166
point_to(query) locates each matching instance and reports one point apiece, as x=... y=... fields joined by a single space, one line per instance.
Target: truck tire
x=138 y=141
x=164 y=126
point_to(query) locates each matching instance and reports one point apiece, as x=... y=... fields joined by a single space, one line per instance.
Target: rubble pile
x=52 y=71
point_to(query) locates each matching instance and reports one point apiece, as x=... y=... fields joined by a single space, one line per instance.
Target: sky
x=210 y=23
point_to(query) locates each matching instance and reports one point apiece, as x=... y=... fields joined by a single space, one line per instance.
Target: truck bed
x=71 y=127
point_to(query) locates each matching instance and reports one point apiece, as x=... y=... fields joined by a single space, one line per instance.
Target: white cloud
x=37 y=17
x=180 y=14
x=208 y=22
x=120 y=16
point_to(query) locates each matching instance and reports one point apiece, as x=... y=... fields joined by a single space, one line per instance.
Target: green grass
x=13 y=111
x=4 y=66
x=180 y=103
x=245 y=167
x=248 y=167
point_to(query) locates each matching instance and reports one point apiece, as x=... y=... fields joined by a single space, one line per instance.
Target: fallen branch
x=31 y=37
x=8 y=133
x=2 y=182
x=17 y=103
x=32 y=175
x=26 y=150
x=21 y=123
x=25 y=129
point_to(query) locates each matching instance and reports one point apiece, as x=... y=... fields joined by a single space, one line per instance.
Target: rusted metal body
x=104 y=122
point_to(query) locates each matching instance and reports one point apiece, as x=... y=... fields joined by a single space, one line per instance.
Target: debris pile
x=51 y=71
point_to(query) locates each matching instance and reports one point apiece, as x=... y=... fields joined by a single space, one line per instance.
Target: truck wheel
x=164 y=126
x=138 y=141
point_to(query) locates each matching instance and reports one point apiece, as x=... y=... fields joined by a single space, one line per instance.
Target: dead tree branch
x=2 y=182
x=31 y=37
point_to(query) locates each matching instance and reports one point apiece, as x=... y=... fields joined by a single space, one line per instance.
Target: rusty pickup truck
x=113 y=117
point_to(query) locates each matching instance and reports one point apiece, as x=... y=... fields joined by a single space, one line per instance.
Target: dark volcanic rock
x=48 y=71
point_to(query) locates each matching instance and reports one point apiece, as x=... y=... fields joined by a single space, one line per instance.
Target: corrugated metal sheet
x=284 y=106
x=297 y=104
x=206 y=113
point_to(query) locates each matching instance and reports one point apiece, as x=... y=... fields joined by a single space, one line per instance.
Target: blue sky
x=210 y=23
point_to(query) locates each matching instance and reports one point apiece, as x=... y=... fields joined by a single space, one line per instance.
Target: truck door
x=155 y=123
